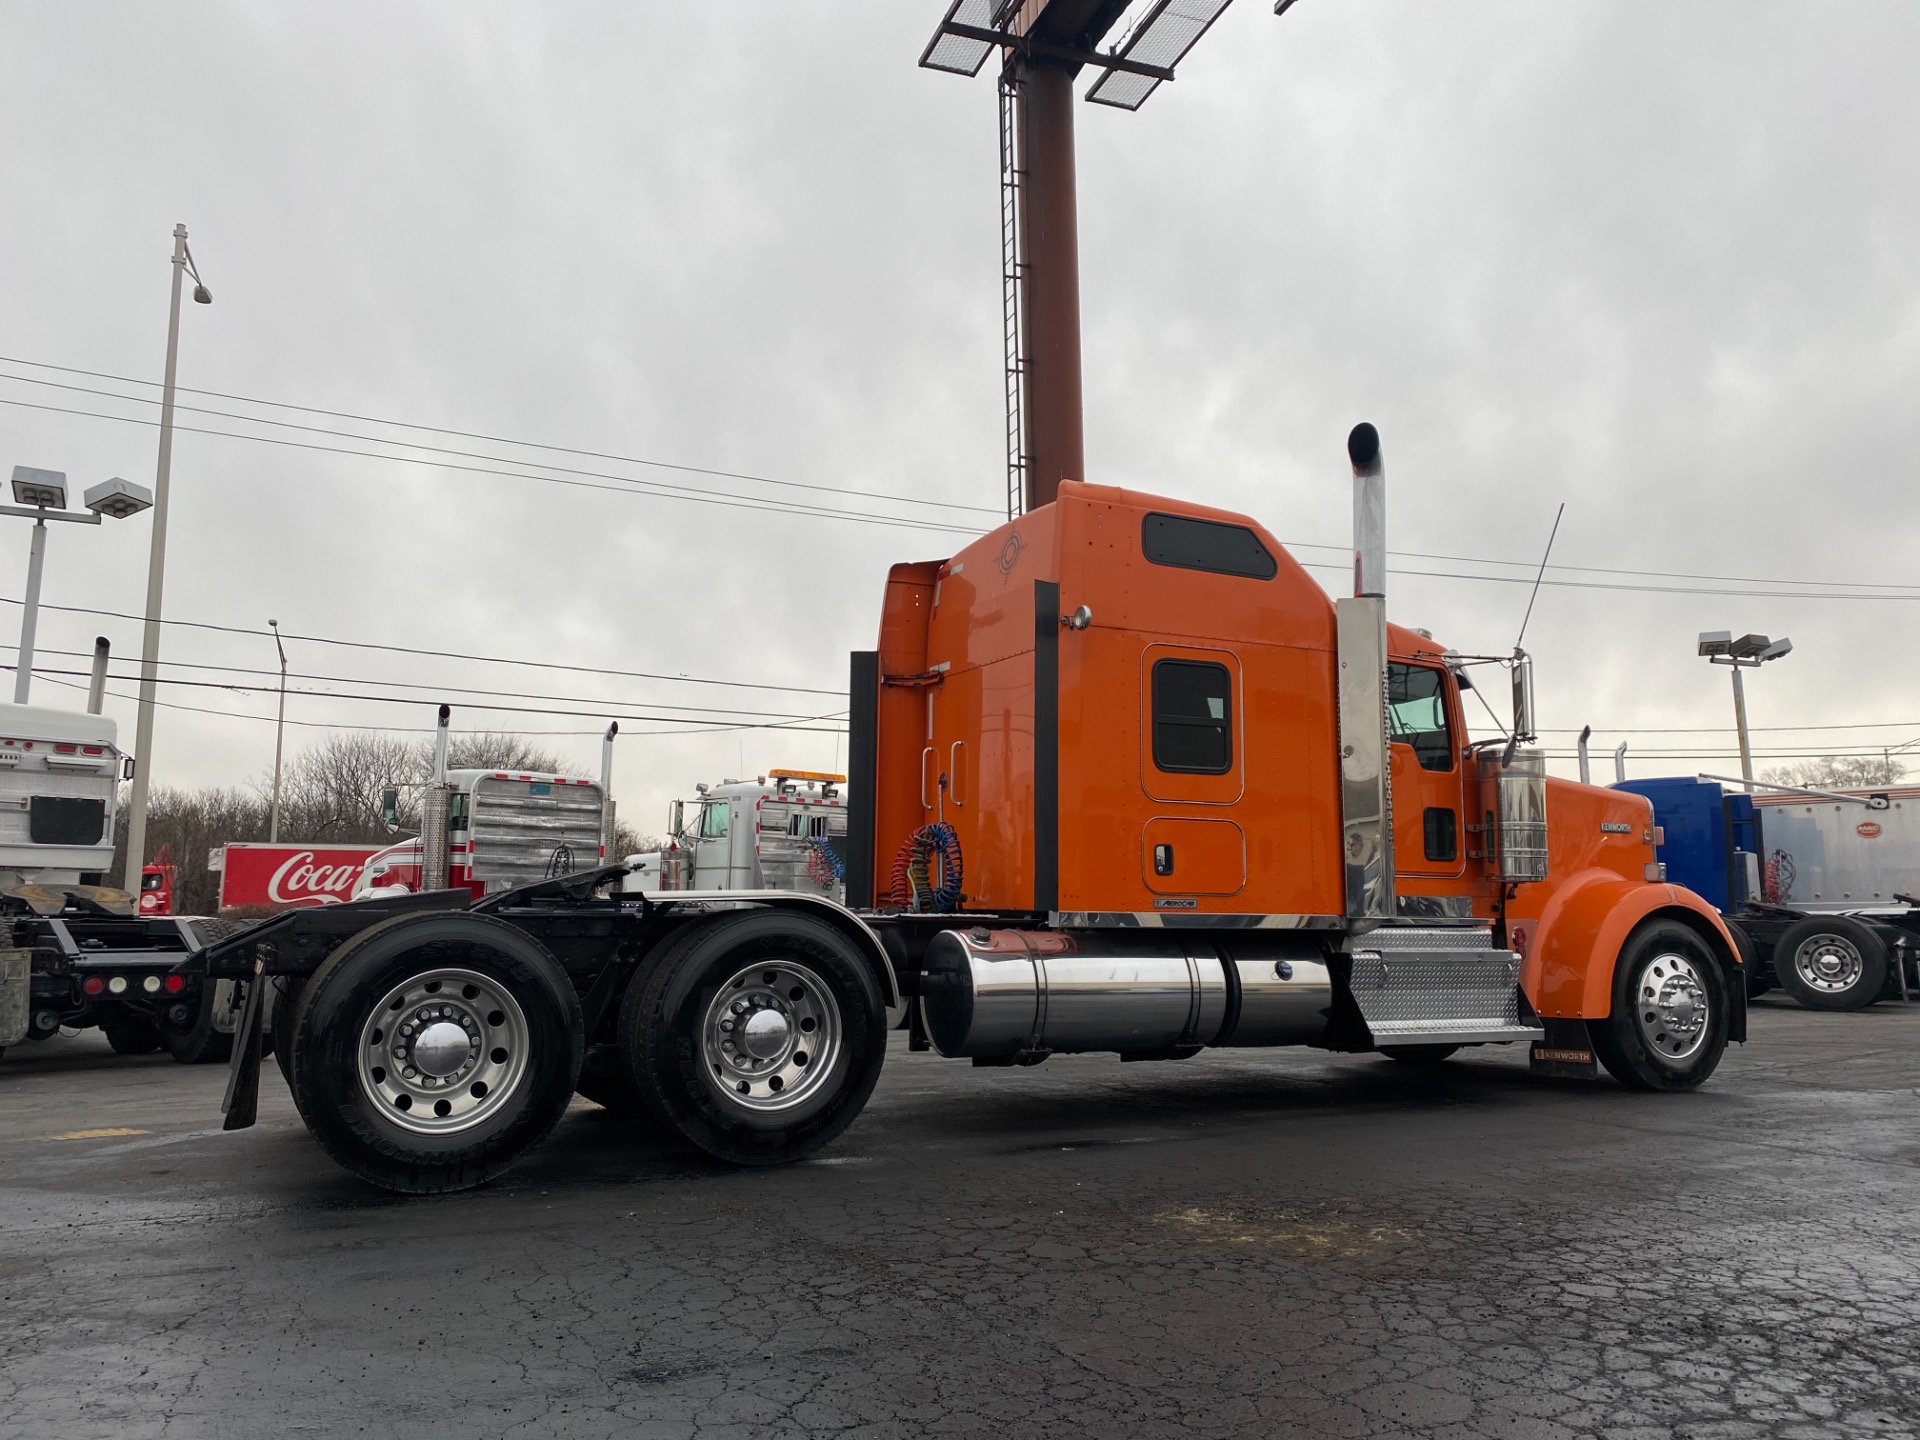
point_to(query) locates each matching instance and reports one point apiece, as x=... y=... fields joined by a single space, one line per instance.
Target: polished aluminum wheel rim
x=1829 y=963
x=1673 y=1012
x=443 y=1051
x=770 y=1036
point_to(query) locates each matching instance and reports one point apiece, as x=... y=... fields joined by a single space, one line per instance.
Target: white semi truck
x=785 y=830
x=77 y=953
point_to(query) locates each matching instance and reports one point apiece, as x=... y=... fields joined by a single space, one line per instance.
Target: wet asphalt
x=1264 y=1243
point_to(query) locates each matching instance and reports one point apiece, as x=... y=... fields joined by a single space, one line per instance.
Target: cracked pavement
x=1260 y=1243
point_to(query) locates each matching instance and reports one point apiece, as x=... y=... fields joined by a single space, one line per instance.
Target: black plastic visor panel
x=1209 y=545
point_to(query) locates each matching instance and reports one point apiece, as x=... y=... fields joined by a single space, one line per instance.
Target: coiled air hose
x=913 y=884
x=823 y=866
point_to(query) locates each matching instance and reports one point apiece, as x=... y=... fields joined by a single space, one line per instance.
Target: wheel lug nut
x=739 y=1007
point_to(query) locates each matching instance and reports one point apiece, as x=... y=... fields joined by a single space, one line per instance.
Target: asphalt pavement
x=1257 y=1243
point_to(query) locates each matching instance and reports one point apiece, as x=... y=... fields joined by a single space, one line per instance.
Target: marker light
x=93 y=984
x=118 y=985
x=151 y=984
x=176 y=983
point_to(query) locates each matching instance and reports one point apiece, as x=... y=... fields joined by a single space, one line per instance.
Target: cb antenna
x=1535 y=595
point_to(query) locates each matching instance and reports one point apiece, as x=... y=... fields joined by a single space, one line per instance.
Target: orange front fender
x=1569 y=952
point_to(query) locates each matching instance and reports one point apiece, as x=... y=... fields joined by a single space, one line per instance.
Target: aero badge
x=1010 y=552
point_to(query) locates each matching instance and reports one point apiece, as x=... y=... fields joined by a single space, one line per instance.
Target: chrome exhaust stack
x=435 y=857
x=1360 y=626
x=609 y=834
x=97 y=683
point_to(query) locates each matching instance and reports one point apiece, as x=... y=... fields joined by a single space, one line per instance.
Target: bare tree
x=1839 y=772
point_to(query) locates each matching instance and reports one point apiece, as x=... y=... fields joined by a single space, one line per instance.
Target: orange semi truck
x=1123 y=779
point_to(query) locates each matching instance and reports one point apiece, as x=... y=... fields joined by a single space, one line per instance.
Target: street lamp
x=156 y=570
x=42 y=496
x=279 y=731
x=1749 y=652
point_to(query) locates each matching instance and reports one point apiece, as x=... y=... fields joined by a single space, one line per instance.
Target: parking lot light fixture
x=42 y=496
x=1747 y=652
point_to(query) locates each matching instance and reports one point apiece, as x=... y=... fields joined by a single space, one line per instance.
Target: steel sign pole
x=156 y=581
x=1050 y=275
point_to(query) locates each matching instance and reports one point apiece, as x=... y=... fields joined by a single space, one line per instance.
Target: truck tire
x=1418 y=1054
x=200 y=1043
x=131 y=1034
x=430 y=1052
x=1758 y=981
x=607 y=1080
x=1831 y=962
x=757 y=1035
x=1668 y=1026
x=286 y=1007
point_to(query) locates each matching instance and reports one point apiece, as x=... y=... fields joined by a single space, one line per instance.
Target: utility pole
x=279 y=734
x=156 y=572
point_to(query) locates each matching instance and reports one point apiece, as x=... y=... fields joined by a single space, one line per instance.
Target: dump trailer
x=1122 y=778
x=1821 y=888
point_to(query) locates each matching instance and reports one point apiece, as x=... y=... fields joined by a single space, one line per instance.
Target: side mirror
x=1523 y=696
x=126 y=768
x=390 y=809
x=676 y=818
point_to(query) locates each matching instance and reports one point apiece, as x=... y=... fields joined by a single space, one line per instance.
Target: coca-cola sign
x=291 y=875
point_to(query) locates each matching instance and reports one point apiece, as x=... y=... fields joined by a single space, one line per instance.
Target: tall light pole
x=279 y=733
x=1749 y=652
x=156 y=571
x=45 y=491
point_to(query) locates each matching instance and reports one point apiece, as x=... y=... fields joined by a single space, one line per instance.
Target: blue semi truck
x=1820 y=888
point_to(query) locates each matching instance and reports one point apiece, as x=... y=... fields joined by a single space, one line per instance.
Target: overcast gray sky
x=1653 y=260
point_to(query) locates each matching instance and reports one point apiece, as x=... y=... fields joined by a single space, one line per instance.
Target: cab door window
x=1417 y=714
x=713 y=819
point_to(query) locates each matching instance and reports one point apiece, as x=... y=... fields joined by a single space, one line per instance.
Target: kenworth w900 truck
x=1123 y=778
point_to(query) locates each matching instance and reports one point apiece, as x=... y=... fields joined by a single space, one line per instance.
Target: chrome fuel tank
x=996 y=993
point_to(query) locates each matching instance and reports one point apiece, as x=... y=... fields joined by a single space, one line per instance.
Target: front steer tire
x=819 y=1045
x=471 y=1109
x=1668 y=1026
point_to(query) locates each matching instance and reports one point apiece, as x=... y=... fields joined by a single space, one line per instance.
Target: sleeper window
x=1192 y=717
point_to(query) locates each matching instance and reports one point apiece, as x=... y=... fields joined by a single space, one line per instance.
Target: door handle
x=1163 y=859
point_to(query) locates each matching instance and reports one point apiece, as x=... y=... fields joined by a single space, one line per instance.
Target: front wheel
x=757 y=1035
x=1831 y=962
x=431 y=1052
x=1668 y=1027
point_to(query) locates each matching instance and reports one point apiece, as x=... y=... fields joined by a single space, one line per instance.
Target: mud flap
x=1566 y=1053
x=242 y=1102
x=16 y=995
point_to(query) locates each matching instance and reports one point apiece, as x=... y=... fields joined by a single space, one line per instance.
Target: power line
x=759 y=502
x=436 y=654
x=440 y=430
x=626 y=486
x=708 y=726
x=698 y=712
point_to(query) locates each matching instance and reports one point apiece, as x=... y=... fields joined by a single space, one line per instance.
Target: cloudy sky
x=1653 y=261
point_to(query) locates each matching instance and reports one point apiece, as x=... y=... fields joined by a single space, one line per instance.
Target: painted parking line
x=107 y=1134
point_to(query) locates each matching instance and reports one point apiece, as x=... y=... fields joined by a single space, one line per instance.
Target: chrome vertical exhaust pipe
x=1360 y=626
x=608 y=829
x=1586 y=770
x=97 y=685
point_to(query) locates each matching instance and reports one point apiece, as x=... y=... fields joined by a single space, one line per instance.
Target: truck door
x=713 y=846
x=1428 y=814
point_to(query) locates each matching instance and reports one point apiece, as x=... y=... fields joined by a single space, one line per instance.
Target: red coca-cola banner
x=291 y=874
